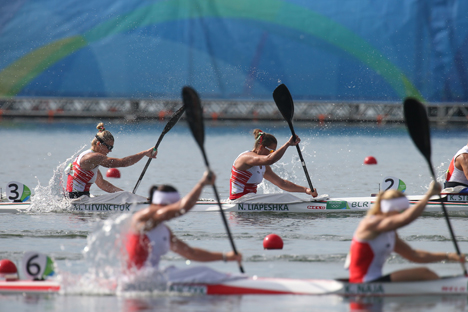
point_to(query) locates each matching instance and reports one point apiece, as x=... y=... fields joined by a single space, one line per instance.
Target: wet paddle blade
x=174 y=119
x=417 y=123
x=284 y=102
x=171 y=123
x=194 y=114
x=194 y=111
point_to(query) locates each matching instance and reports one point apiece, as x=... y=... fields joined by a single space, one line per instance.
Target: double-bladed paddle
x=285 y=104
x=417 y=123
x=195 y=120
x=174 y=119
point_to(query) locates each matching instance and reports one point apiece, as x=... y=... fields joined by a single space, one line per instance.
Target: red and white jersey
x=80 y=180
x=453 y=173
x=245 y=181
x=147 y=249
x=368 y=257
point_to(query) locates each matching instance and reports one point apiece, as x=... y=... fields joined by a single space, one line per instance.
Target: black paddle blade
x=174 y=119
x=284 y=102
x=417 y=123
x=194 y=113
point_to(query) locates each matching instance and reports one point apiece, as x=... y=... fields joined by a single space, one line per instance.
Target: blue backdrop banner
x=354 y=50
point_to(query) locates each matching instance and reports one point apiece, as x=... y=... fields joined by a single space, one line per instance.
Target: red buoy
x=8 y=270
x=113 y=173
x=370 y=160
x=272 y=241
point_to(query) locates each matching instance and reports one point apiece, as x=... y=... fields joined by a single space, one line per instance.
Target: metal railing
x=380 y=112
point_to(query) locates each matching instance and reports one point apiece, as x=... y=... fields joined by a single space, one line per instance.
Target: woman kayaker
x=251 y=167
x=376 y=238
x=457 y=173
x=150 y=237
x=85 y=168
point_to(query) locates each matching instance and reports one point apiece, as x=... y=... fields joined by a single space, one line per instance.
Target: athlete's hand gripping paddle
x=195 y=120
x=285 y=104
x=417 y=123
x=174 y=118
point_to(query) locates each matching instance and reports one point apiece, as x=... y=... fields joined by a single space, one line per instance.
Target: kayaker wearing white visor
x=85 y=168
x=150 y=238
x=376 y=238
x=251 y=167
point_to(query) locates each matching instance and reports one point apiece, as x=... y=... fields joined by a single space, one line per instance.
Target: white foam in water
x=51 y=198
x=106 y=259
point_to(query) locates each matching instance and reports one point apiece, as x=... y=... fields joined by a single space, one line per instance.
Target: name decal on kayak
x=370 y=288
x=101 y=207
x=457 y=198
x=190 y=289
x=262 y=207
x=360 y=204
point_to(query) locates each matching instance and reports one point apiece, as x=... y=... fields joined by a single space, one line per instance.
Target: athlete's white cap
x=165 y=198
x=394 y=204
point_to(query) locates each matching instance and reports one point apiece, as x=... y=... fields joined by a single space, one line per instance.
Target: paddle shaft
x=301 y=158
x=174 y=119
x=449 y=225
x=195 y=120
x=226 y=225
x=147 y=165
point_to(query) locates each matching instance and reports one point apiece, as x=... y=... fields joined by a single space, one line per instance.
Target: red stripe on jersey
x=361 y=259
x=138 y=249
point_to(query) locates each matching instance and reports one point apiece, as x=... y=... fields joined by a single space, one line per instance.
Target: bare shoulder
x=244 y=159
x=93 y=157
x=370 y=222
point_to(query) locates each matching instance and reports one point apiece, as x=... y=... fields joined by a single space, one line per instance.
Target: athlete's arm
x=461 y=162
x=93 y=160
x=198 y=254
x=150 y=217
x=394 y=222
x=285 y=184
x=106 y=185
x=421 y=256
x=249 y=160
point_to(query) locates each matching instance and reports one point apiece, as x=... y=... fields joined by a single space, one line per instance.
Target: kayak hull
x=456 y=285
x=276 y=286
x=22 y=286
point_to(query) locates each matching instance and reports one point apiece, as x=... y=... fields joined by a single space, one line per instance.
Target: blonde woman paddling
x=85 y=168
x=376 y=238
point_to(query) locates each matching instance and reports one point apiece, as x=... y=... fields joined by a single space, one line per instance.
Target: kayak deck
x=455 y=285
x=265 y=203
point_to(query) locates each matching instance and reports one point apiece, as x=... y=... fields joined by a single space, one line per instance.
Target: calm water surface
x=315 y=245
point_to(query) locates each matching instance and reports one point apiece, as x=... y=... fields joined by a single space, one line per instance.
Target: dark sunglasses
x=109 y=147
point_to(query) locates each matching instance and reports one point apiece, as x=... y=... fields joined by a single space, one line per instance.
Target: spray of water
x=51 y=198
x=106 y=259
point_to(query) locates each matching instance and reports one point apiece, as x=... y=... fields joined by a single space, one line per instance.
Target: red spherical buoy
x=272 y=241
x=8 y=270
x=370 y=160
x=113 y=173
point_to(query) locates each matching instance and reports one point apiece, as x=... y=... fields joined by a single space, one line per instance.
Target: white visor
x=165 y=198
x=394 y=204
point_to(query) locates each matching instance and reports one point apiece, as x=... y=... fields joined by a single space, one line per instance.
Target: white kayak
x=286 y=202
x=281 y=286
x=266 y=203
x=119 y=202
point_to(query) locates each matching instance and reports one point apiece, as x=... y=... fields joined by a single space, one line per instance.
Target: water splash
x=51 y=198
x=106 y=259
